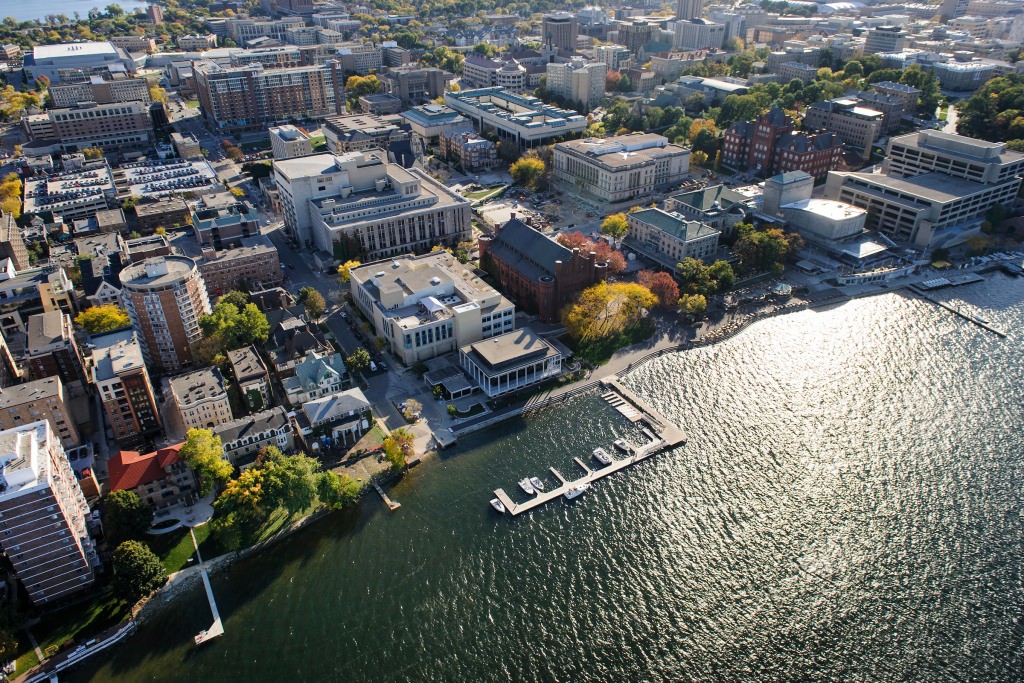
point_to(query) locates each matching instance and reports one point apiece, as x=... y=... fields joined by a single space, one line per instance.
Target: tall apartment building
x=51 y=348
x=164 y=297
x=578 y=81
x=616 y=57
x=635 y=34
x=884 y=39
x=242 y=30
x=41 y=399
x=100 y=90
x=288 y=141
x=690 y=9
x=110 y=126
x=699 y=34
x=43 y=515
x=122 y=381
x=482 y=72
x=359 y=198
x=857 y=126
x=249 y=96
x=363 y=58
x=559 y=30
x=12 y=242
x=620 y=169
x=429 y=305
x=201 y=399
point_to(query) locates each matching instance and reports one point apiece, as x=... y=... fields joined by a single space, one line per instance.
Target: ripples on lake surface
x=848 y=507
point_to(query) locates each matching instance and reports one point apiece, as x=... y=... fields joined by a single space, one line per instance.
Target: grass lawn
x=255 y=146
x=943 y=113
x=80 y=622
x=175 y=549
x=484 y=194
x=26 y=656
x=280 y=519
x=319 y=142
x=193 y=103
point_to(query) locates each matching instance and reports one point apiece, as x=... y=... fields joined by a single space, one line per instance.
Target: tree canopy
x=604 y=310
x=137 y=571
x=615 y=225
x=313 y=301
x=762 y=250
x=698 y=278
x=204 y=453
x=125 y=516
x=345 y=270
x=662 y=286
x=577 y=240
x=230 y=327
x=99 y=319
x=528 y=171
x=995 y=111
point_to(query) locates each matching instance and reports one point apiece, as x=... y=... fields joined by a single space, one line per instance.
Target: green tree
x=230 y=327
x=239 y=299
x=397 y=447
x=762 y=250
x=204 y=453
x=313 y=301
x=125 y=516
x=99 y=319
x=615 y=225
x=693 y=304
x=358 y=360
x=337 y=491
x=291 y=481
x=527 y=171
x=137 y=571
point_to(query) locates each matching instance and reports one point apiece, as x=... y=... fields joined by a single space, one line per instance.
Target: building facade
x=522 y=119
x=578 y=81
x=559 y=30
x=288 y=141
x=668 y=238
x=510 y=362
x=245 y=437
x=857 y=126
x=201 y=399
x=621 y=169
x=472 y=152
x=43 y=515
x=429 y=305
x=161 y=479
x=255 y=262
x=51 y=348
x=110 y=126
x=119 y=373
x=536 y=272
x=165 y=297
x=46 y=399
x=100 y=90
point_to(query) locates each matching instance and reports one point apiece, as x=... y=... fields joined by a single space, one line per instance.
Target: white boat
x=525 y=485
x=575 y=490
x=497 y=505
x=623 y=446
x=537 y=484
x=602 y=456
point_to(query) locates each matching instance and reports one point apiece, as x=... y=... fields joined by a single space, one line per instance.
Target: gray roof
x=20 y=394
x=674 y=224
x=527 y=250
x=272 y=419
x=246 y=363
x=934 y=187
x=336 y=405
x=197 y=386
x=45 y=329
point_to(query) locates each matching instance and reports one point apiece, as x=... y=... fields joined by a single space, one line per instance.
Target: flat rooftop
x=116 y=353
x=197 y=386
x=62 y=50
x=510 y=349
x=936 y=187
x=829 y=208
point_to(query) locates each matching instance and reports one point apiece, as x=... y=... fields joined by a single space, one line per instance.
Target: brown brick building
x=165 y=297
x=535 y=271
x=162 y=478
x=770 y=145
x=120 y=375
x=255 y=261
x=51 y=349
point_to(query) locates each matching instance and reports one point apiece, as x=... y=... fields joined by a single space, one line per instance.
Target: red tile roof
x=129 y=469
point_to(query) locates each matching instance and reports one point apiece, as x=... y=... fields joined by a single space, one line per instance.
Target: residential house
x=319 y=374
x=344 y=416
x=251 y=377
x=245 y=437
x=161 y=479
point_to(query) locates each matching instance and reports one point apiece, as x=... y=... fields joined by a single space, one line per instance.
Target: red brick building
x=161 y=478
x=537 y=272
x=770 y=145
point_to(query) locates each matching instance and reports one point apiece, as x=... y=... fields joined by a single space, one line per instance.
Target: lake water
x=25 y=11
x=848 y=507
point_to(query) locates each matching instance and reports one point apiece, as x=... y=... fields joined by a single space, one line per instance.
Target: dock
x=983 y=324
x=392 y=505
x=217 y=628
x=663 y=435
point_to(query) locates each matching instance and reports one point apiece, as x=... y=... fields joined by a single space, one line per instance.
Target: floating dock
x=392 y=505
x=983 y=324
x=662 y=433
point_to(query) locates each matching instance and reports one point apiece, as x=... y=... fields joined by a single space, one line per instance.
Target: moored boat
x=602 y=456
x=497 y=505
x=576 y=490
x=537 y=484
x=622 y=445
x=525 y=485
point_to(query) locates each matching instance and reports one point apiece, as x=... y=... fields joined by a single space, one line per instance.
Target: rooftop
x=674 y=224
x=829 y=208
x=197 y=386
x=510 y=349
x=252 y=426
x=288 y=132
x=157 y=272
x=937 y=187
x=116 y=353
x=129 y=469
x=45 y=330
x=335 y=405
x=246 y=363
x=37 y=390
x=623 y=150
x=22 y=465
x=62 y=50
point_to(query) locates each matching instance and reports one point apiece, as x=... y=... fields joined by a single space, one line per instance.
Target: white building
x=699 y=34
x=425 y=306
x=624 y=168
x=522 y=119
x=288 y=141
x=69 y=61
x=510 y=362
x=578 y=81
x=201 y=399
x=668 y=238
x=360 y=198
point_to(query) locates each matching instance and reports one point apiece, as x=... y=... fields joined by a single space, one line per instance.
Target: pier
x=983 y=324
x=662 y=433
x=217 y=628
x=392 y=505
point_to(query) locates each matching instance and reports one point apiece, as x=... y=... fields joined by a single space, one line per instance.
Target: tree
x=698 y=278
x=345 y=270
x=291 y=481
x=693 y=304
x=604 y=252
x=413 y=408
x=125 y=516
x=93 y=153
x=337 y=491
x=235 y=297
x=313 y=301
x=230 y=327
x=99 y=319
x=204 y=453
x=237 y=192
x=527 y=171
x=397 y=446
x=157 y=94
x=615 y=225
x=137 y=570
x=605 y=310
x=699 y=158
x=662 y=286
x=358 y=360
x=762 y=250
